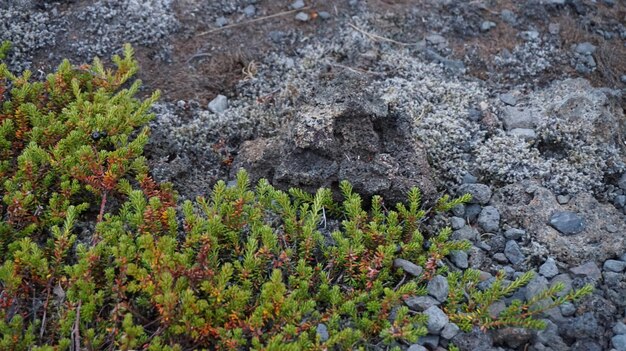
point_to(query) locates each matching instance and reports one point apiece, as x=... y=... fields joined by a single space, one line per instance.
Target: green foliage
x=5 y=46
x=468 y=306
x=246 y=268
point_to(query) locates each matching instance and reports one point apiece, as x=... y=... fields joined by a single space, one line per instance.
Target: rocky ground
x=520 y=103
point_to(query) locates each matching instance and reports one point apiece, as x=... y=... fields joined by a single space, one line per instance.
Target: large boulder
x=342 y=133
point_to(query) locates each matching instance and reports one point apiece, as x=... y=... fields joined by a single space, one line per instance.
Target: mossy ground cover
x=248 y=267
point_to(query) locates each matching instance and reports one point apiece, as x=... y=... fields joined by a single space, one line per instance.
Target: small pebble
x=219 y=104
x=508 y=99
x=614 y=266
x=249 y=10
x=486 y=26
x=438 y=288
x=514 y=234
x=568 y=309
x=302 y=16
x=221 y=21
x=563 y=199
x=324 y=15
x=513 y=252
x=566 y=222
x=298 y=4
x=549 y=268
x=457 y=223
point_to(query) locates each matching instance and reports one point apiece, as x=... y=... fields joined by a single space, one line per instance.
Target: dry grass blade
x=376 y=37
x=251 y=21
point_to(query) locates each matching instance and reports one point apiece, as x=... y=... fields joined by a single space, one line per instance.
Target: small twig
x=251 y=21
x=75 y=330
x=103 y=203
x=324 y=216
x=356 y=70
x=45 y=309
x=400 y=283
x=376 y=37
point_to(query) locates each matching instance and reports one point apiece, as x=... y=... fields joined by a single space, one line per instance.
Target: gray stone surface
x=358 y=140
x=518 y=118
x=513 y=252
x=408 y=266
x=523 y=133
x=450 y=331
x=587 y=270
x=489 y=219
x=481 y=193
x=486 y=26
x=417 y=347
x=438 y=288
x=549 y=269
x=508 y=99
x=532 y=211
x=465 y=233
x=619 y=342
x=457 y=223
x=614 y=266
x=298 y=4
x=219 y=104
x=473 y=341
x=568 y=223
x=421 y=303
x=568 y=309
x=514 y=234
x=302 y=16
x=322 y=332
x=585 y=48
x=436 y=320
x=459 y=258
x=566 y=280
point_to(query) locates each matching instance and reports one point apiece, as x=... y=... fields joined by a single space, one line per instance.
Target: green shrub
x=244 y=269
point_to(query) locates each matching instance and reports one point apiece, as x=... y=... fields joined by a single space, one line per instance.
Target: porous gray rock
x=533 y=211
x=481 y=193
x=512 y=337
x=489 y=219
x=343 y=134
x=476 y=339
x=588 y=270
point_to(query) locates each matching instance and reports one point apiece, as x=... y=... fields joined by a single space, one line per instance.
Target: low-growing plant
x=246 y=268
